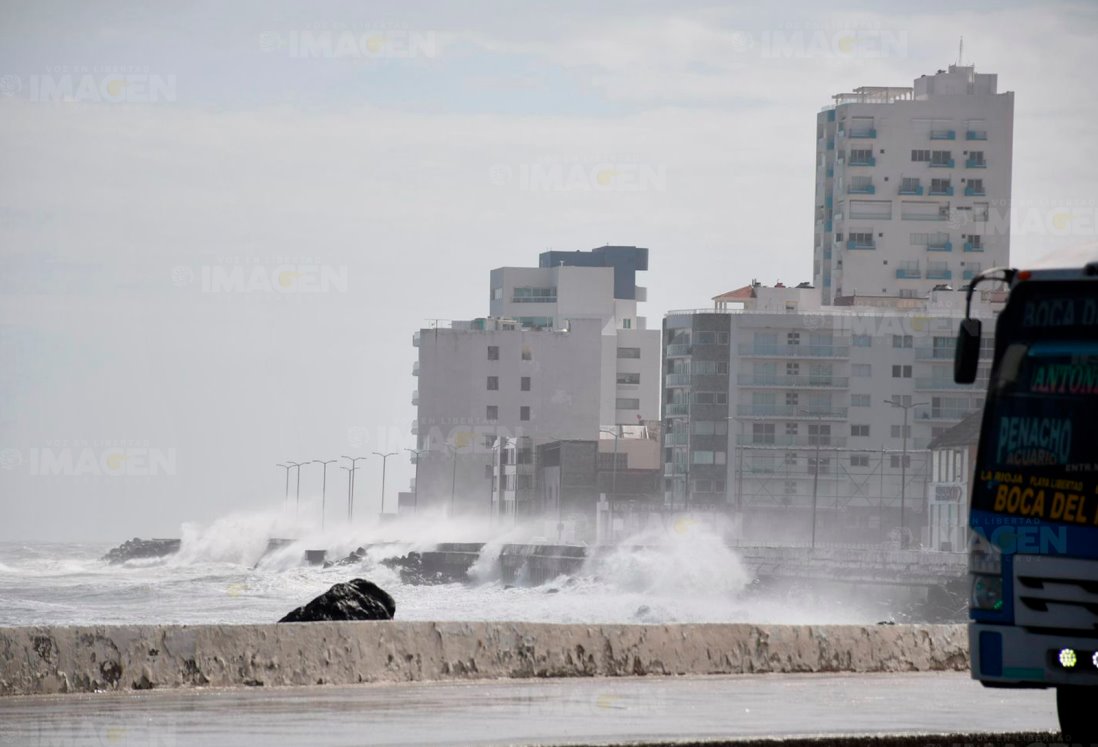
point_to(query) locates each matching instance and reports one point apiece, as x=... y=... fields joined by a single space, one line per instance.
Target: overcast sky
x=367 y=164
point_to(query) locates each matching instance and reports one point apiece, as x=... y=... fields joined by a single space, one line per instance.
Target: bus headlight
x=987 y=593
x=984 y=557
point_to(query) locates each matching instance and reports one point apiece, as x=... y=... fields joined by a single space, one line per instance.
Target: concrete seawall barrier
x=44 y=660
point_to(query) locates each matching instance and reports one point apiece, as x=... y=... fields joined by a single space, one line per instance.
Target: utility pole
x=350 y=482
x=416 y=454
x=324 y=491
x=815 y=471
x=903 y=465
x=453 y=477
x=384 y=462
x=351 y=495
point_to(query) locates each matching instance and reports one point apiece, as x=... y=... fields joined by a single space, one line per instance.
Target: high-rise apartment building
x=562 y=355
x=912 y=185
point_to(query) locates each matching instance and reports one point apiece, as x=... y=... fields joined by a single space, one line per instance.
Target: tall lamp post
x=351 y=493
x=416 y=454
x=297 y=494
x=453 y=476
x=903 y=463
x=815 y=470
x=324 y=490
x=287 y=467
x=615 y=432
x=384 y=462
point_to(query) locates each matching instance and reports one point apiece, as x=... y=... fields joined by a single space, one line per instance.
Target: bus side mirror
x=967 y=356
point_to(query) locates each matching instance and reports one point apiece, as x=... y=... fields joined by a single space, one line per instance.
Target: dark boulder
x=357 y=599
x=139 y=548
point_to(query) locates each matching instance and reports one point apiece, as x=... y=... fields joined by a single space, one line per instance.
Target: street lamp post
x=903 y=464
x=297 y=493
x=350 y=481
x=453 y=476
x=416 y=453
x=287 y=467
x=614 y=479
x=351 y=493
x=815 y=471
x=324 y=490
x=384 y=462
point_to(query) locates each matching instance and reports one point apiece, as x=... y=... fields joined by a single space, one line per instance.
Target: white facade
x=912 y=185
x=809 y=382
x=559 y=357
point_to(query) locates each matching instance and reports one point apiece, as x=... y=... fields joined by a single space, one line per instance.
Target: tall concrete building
x=561 y=355
x=912 y=185
x=798 y=417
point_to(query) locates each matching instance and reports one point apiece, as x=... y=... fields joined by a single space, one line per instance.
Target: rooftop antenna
x=960 y=51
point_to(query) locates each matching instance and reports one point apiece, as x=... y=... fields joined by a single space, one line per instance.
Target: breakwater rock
x=357 y=599
x=142 y=548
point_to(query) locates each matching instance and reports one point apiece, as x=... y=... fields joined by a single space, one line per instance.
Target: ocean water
x=683 y=573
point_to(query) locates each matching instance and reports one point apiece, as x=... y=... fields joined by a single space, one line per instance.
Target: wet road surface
x=532 y=712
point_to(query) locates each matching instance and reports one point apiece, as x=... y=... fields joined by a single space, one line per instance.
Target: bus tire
x=1076 y=706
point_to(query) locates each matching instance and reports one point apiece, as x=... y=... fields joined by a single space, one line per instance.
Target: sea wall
x=43 y=660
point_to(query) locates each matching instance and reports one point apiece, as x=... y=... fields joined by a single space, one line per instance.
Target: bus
x=1033 y=510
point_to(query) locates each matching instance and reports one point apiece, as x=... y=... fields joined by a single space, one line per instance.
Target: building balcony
x=972 y=163
x=415 y=339
x=942 y=191
x=943 y=164
x=678 y=350
x=938 y=273
x=908 y=273
x=415 y=368
x=678 y=439
x=415 y=398
x=939 y=384
x=916 y=190
x=943 y=134
x=970 y=247
x=976 y=135
x=940 y=246
x=677 y=379
x=796 y=412
x=782 y=440
x=785 y=380
x=676 y=408
x=831 y=144
x=793 y=351
x=934 y=354
x=863 y=132
x=867 y=189
x=871 y=161
x=673 y=469
x=853 y=244
x=943 y=413
x=974 y=192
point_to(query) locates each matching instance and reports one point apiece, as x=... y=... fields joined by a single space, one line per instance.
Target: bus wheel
x=1076 y=705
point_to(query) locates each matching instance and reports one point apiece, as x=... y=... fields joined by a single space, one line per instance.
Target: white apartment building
x=775 y=403
x=912 y=185
x=562 y=354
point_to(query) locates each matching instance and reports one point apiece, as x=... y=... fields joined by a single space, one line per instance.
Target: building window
x=527 y=355
x=901 y=372
x=861 y=369
x=920 y=155
x=493 y=383
x=534 y=295
x=722 y=338
x=791 y=429
x=629 y=352
x=941 y=157
x=762 y=433
x=790 y=459
x=903 y=341
x=859 y=460
x=628 y=403
x=711 y=427
x=710 y=398
x=524 y=412
x=862 y=341
x=493 y=352
x=629 y=378
x=895 y=459
x=790 y=399
x=524 y=383
x=497 y=294
x=492 y=412
x=626 y=323
x=901 y=431
x=790 y=487
x=859 y=400
x=792 y=369
x=859 y=431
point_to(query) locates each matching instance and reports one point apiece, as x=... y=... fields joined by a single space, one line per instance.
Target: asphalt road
x=538 y=712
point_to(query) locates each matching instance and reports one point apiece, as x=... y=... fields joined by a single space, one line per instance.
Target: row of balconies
x=761 y=350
